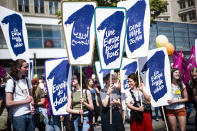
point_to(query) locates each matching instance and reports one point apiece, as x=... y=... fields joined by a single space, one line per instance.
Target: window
x=39 y=6
x=166 y=19
x=23 y=5
x=53 y=7
x=184 y=18
x=182 y=4
x=190 y=3
x=166 y=9
x=192 y=15
x=45 y=36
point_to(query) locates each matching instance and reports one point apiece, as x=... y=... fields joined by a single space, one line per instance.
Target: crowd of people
x=24 y=103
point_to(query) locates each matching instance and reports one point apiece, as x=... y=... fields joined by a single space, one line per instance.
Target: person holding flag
x=176 y=107
x=18 y=96
x=74 y=105
x=140 y=119
x=111 y=95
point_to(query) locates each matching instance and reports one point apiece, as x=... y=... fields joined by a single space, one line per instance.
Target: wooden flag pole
x=81 y=92
x=110 y=122
x=138 y=70
x=62 y=126
x=164 y=118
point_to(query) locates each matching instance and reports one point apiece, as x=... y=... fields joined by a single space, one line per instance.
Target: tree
x=157 y=7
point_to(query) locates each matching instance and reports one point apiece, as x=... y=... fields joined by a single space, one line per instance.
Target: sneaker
x=157 y=119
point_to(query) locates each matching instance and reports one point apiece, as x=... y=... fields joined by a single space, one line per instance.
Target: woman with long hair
x=74 y=105
x=18 y=91
x=93 y=91
x=110 y=95
x=39 y=99
x=176 y=107
x=193 y=83
x=140 y=119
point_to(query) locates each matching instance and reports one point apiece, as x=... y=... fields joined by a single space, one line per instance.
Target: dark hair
x=79 y=80
x=134 y=77
x=106 y=78
x=42 y=78
x=14 y=65
x=90 y=79
x=193 y=82
x=179 y=81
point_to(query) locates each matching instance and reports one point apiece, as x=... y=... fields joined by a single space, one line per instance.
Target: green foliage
x=157 y=7
x=59 y=16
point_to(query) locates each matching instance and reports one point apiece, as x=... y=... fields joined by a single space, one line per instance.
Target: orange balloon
x=170 y=48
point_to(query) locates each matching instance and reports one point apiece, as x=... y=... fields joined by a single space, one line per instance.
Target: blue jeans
x=86 y=124
x=156 y=112
x=53 y=124
x=23 y=123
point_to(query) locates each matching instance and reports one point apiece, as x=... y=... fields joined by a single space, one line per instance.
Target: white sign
x=110 y=26
x=138 y=26
x=15 y=33
x=78 y=24
x=155 y=72
x=100 y=73
x=128 y=67
x=58 y=79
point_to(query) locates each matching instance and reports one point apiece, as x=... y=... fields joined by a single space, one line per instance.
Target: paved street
x=160 y=125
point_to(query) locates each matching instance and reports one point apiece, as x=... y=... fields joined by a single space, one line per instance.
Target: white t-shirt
x=137 y=94
x=19 y=94
x=176 y=95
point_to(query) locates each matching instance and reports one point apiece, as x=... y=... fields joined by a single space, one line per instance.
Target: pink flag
x=178 y=62
x=184 y=65
x=88 y=72
x=192 y=58
x=2 y=71
x=190 y=65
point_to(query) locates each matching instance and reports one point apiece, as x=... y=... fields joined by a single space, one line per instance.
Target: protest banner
x=138 y=26
x=101 y=73
x=110 y=28
x=128 y=66
x=15 y=33
x=155 y=73
x=58 y=74
x=78 y=25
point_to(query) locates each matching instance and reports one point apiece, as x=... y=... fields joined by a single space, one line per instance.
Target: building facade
x=180 y=11
x=46 y=38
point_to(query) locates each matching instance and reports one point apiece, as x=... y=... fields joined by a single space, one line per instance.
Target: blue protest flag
x=58 y=79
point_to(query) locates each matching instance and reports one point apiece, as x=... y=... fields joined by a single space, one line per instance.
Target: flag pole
x=139 y=80
x=164 y=118
x=110 y=122
x=81 y=92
